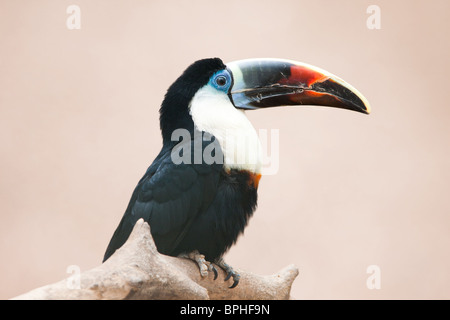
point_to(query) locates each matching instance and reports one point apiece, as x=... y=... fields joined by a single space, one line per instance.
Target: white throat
x=213 y=112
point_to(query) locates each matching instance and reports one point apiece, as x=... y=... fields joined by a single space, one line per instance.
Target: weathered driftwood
x=139 y=271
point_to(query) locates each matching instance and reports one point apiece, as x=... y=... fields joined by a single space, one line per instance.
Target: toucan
x=201 y=189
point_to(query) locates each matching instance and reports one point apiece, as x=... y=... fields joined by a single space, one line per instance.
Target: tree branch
x=138 y=271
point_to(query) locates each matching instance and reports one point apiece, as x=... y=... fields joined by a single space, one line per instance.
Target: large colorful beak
x=262 y=83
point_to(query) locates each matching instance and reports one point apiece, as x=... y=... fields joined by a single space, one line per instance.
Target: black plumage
x=189 y=206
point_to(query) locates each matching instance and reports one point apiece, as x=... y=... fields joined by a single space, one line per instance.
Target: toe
x=229 y=274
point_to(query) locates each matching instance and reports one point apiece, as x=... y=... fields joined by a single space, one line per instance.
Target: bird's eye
x=221 y=81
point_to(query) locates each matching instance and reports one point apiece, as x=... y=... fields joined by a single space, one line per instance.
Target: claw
x=236 y=278
x=216 y=274
x=236 y=281
x=230 y=272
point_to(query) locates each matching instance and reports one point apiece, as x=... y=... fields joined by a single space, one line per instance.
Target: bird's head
x=210 y=95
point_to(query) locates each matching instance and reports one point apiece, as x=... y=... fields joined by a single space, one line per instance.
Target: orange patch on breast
x=254 y=179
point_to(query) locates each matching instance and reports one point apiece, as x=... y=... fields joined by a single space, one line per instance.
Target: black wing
x=168 y=197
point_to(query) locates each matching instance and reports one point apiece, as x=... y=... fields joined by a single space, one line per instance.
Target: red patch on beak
x=304 y=75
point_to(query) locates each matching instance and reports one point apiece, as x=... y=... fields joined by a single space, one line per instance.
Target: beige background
x=79 y=126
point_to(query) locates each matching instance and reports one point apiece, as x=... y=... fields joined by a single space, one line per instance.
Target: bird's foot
x=230 y=272
x=203 y=265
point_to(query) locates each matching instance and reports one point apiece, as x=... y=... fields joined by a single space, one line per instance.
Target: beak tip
x=367 y=108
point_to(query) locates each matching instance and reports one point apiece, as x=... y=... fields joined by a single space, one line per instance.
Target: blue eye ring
x=222 y=80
